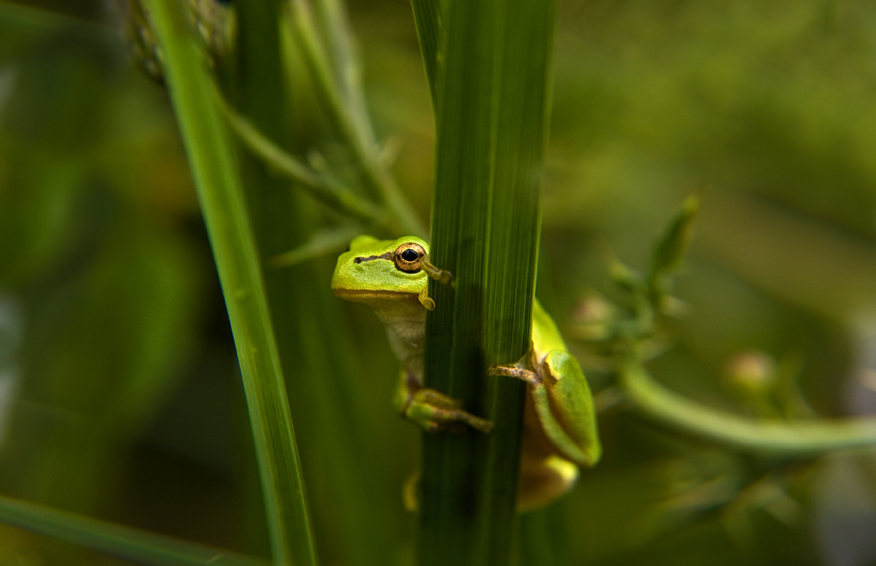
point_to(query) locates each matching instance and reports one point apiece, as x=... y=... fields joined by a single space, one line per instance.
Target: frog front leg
x=432 y=410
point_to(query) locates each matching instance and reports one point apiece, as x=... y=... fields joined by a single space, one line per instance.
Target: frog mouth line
x=365 y=293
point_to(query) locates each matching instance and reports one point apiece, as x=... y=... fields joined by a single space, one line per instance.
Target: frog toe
x=434 y=411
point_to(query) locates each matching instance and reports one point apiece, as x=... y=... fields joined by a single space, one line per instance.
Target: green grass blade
x=341 y=469
x=222 y=200
x=492 y=108
x=125 y=542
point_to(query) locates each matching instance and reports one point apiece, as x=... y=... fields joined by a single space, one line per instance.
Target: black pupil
x=410 y=255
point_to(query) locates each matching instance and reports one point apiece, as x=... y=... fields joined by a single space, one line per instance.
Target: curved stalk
x=789 y=438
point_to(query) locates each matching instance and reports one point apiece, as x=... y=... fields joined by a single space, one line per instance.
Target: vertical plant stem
x=491 y=105
x=220 y=192
x=521 y=102
x=454 y=362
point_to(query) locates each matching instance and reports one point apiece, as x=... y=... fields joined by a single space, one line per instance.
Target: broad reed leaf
x=491 y=106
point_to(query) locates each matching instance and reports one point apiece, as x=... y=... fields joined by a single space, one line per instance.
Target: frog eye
x=407 y=257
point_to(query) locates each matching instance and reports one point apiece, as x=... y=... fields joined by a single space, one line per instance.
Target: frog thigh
x=565 y=409
x=543 y=480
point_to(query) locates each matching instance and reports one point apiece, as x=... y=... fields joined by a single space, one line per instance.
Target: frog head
x=374 y=271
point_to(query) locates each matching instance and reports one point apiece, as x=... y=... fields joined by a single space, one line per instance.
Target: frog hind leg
x=542 y=480
x=432 y=410
x=562 y=401
x=409 y=492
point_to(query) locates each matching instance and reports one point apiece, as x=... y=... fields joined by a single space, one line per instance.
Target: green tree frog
x=559 y=435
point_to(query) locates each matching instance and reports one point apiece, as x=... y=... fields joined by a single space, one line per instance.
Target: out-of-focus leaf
x=100 y=355
x=132 y=544
x=671 y=247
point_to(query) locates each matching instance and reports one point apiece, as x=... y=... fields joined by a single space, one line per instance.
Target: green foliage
x=119 y=391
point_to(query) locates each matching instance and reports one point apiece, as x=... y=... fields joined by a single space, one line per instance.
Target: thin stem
x=340 y=47
x=361 y=142
x=338 y=198
x=801 y=438
x=320 y=244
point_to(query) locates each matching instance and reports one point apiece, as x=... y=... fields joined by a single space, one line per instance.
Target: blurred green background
x=119 y=390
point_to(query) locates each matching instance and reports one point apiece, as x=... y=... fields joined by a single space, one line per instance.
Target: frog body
x=390 y=276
